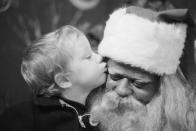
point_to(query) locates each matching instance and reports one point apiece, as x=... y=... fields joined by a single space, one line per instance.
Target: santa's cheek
x=144 y=95
x=110 y=84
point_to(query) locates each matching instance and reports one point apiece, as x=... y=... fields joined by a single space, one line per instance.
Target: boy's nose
x=98 y=58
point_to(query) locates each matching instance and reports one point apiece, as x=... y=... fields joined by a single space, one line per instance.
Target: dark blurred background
x=23 y=21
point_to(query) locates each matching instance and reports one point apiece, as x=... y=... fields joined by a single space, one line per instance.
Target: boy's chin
x=101 y=81
x=104 y=76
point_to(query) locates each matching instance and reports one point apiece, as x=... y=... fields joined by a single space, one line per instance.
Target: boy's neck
x=76 y=96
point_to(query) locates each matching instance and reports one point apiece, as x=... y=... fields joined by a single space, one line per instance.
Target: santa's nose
x=122 y=88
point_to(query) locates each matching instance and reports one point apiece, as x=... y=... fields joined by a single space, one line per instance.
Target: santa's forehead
x=115 y=67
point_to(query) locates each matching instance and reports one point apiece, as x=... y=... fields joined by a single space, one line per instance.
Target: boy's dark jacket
x=43 y=114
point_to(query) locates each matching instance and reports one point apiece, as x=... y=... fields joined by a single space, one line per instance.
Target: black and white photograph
x=98 y=65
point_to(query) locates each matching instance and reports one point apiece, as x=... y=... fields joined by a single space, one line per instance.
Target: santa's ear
x=63 y=80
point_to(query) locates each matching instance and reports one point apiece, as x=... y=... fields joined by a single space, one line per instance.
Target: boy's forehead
x=82 y=43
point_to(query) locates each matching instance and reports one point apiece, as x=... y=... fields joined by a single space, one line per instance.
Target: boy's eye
x=89 y=57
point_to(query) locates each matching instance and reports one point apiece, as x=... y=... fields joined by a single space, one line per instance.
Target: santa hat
x=143 y=38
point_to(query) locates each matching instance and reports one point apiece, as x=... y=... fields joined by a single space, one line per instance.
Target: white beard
x=173 y=108
x=126 y=114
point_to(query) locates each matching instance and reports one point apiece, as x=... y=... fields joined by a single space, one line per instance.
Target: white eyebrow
x=112 y=70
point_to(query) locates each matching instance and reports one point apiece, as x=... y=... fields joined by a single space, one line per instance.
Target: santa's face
x=125 y=80
x=123 y=102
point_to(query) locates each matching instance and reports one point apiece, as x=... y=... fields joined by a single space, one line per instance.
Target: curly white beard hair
x=173 y=108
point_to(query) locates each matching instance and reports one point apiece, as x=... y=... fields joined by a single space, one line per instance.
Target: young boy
x=62 y=68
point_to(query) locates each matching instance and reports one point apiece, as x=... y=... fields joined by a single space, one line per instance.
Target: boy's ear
x=63 y=80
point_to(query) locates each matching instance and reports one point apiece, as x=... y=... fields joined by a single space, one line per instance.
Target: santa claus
x=146 y=89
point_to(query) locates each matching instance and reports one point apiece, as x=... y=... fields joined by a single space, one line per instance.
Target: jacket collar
x=44 y=101
x=54 y=101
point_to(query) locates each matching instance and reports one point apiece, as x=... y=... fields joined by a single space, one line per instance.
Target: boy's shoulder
x=57 y=104
x=39 y=114
x=17 y=117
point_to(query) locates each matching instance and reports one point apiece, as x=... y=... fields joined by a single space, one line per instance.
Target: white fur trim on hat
x=151 y=45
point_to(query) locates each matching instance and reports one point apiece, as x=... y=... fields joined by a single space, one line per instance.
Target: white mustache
x=112 y=102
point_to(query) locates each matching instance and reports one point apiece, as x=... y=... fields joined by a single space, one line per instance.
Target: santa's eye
x=115 y=77
x=139 y=84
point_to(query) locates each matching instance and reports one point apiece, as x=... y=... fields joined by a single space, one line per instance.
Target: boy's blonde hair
x=48 y=56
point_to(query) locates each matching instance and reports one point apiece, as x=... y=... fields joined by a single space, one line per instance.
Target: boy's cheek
x=102 y=79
